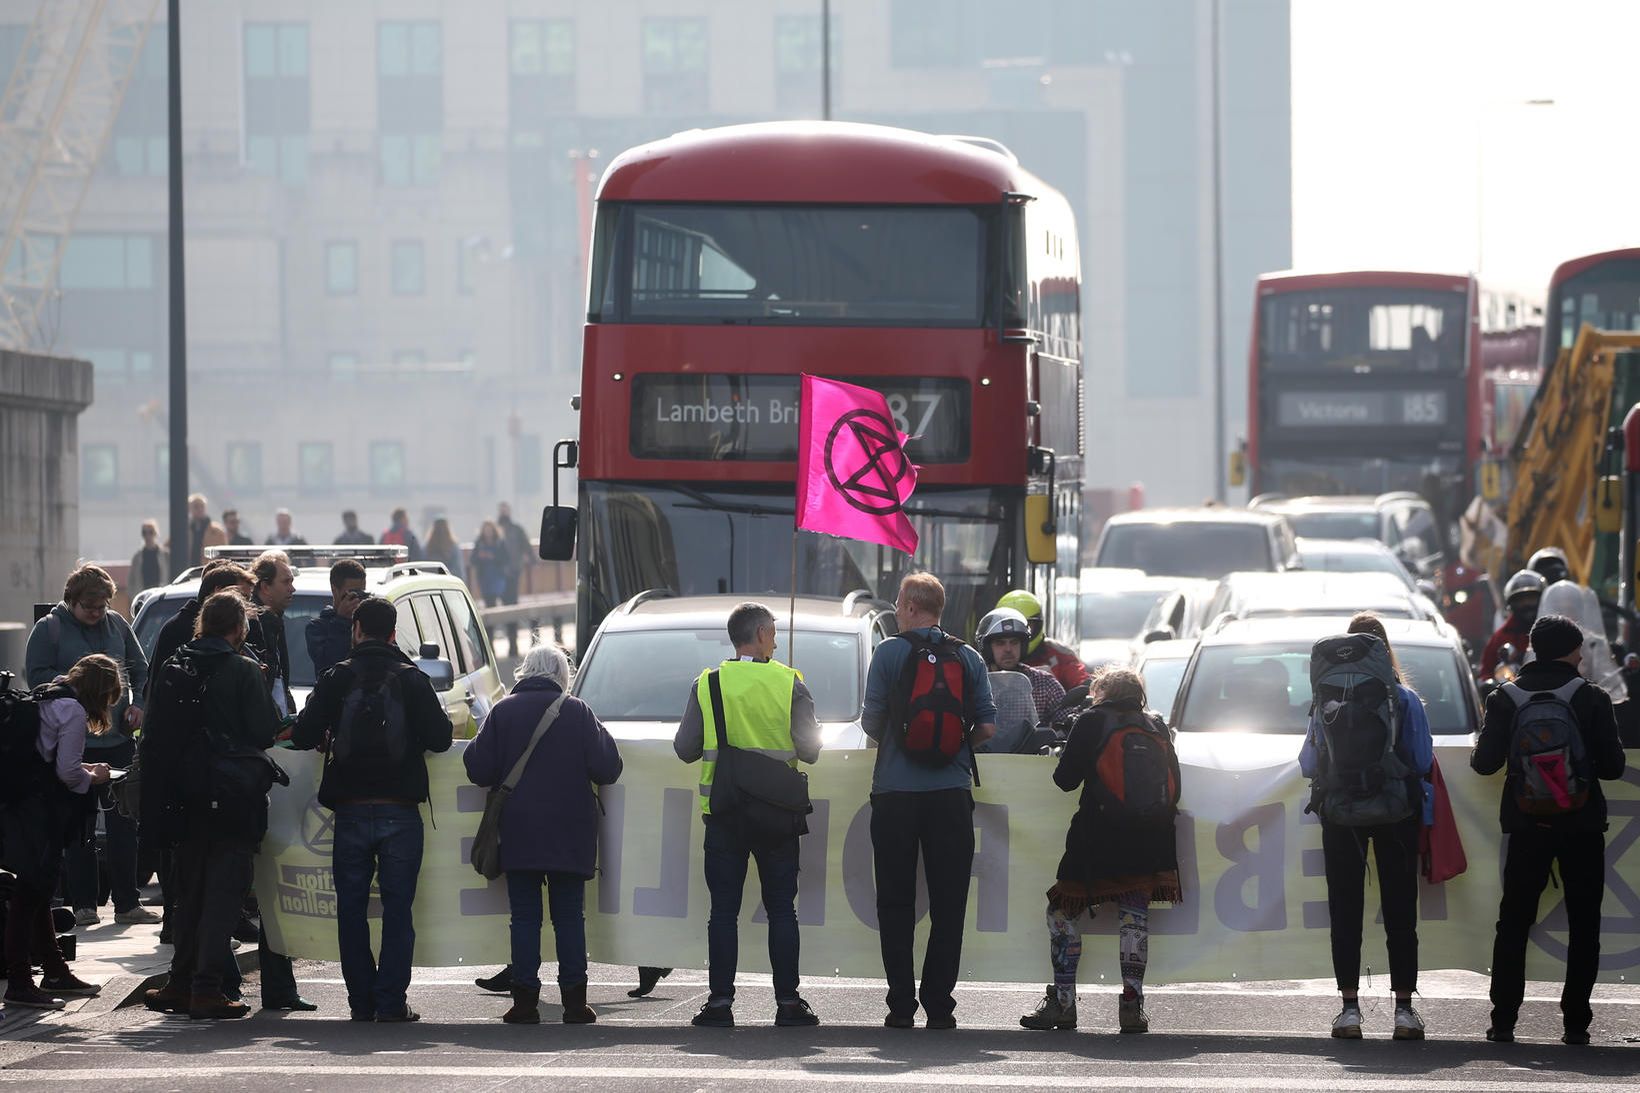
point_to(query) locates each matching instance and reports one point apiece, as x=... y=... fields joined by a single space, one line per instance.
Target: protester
x=1364 y=792
x=399 y=534
x=330 y=633
x=1558 y=737
x=376 y=715
x=921 y=805
x=53 y=803
x=441 y=546
x=549 y=828
x=1042 y=651
x=220 y=575
x=275 y=588
x=516 y=543
x=202 y=530
x=1120 y=847
x=283 y=535
x=150 y=565
x=351 y=535
x=230 y=525
x=489 y=561
x=81 y=625
x=213 y=718
x=1521 y=596
x=750 y=703
x=1001 y=639
x=1550 y=563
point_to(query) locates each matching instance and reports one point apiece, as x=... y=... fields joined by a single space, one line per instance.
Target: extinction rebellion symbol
x=865 y=462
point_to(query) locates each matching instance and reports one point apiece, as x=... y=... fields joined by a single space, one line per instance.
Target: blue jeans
x=726 y=857
x=566 y=896
x=383 y=841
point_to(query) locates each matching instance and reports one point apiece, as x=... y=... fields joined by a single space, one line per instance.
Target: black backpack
x=1354 y=712
x=23 y=773
x=928 y=711
x=372 y=729
x=174 y=749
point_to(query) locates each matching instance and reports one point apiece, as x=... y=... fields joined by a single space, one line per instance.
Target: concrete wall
x=40 y=403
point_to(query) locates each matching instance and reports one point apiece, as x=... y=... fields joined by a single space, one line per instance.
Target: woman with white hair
x=549 y=828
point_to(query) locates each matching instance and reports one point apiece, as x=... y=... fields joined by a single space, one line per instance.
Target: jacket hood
x=379 y=650
x=67 y=616
x=210 y=647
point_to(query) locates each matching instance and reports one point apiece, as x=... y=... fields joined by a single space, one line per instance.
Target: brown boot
x=215 y=1007
x=526 y=1007
x=576 y=1010
x=167 y=999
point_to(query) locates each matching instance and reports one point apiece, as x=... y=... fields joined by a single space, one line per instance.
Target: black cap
x=1554 y=636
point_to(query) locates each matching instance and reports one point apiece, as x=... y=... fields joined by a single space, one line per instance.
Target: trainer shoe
x=1575 y=1037
x=714 y=1015
x=795 y=1014
x=27 y=996
x=1050 y=1013
x=136 y=916
x=1347 y=1025
x=1408 y=1025
x=86 y=916
x=68 y=985
x=1131 y=1015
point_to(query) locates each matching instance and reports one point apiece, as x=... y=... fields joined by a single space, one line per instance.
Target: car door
x=421 y=623
x=477 y=660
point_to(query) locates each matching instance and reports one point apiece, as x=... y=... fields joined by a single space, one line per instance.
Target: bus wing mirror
x=558 y=533
x=1041 y=544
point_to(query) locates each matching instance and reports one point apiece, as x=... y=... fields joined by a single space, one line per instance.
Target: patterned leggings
x=1133 y=944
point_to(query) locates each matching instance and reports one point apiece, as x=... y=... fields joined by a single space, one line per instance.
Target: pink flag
x=853 y=477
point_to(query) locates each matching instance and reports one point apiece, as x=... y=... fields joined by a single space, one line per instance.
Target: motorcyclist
x=1001 y=641
x=1042 y=651
x=1521 y=596
x=1550 y=564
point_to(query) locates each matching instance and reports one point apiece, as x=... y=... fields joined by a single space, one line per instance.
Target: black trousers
x=1582 y=859
x=211 y=874
x=1395 y=846
x=938 y=825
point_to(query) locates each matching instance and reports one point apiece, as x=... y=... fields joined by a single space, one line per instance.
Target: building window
x=100 y=471
x=316 y=466
x=342 y=267
x=138 y=145
x=410 y=101
x=345 y=364
x=798 y=60
x=386 y=465
x=674 y=66
x=109 y=262
x=277 y=100
x=118 y=365
x=935 y=33
x=540 y=77
x=245 y=468
x=409 y=267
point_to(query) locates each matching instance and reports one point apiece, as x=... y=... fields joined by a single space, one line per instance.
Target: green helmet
x=1028 y=605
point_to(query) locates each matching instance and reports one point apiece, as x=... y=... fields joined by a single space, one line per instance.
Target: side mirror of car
x=439 y=671
x=1427 y=587
x=1160 y=633
x=558 y=533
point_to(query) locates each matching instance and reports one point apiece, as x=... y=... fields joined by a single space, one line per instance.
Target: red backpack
x=1135 y=772
x=929 y=710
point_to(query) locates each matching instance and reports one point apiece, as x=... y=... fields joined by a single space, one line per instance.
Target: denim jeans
x=566 y=897
x=381 y=841
x=726 y=858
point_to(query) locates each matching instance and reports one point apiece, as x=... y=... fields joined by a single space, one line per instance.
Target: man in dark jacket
x=1575 y=839
x=330 y=635
x=220 y=575
x=375 y=715
x=183 y=805
x=275 y=588
x=351 y=534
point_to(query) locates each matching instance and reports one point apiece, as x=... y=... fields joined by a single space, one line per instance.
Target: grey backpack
x=1355 y=716
x=1548 y=764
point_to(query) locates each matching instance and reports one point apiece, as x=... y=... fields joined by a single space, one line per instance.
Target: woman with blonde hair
x=54 y=798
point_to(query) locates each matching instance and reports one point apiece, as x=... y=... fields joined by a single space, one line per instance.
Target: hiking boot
x=68 y=985
x=1049 y=1013
x=1408 y=1025
x=714 y=1015
x=647 y=978
x=167 y=999
x=1575 y=1037
x=576 y=1010
x=25 y=995
x=215 y=1007
x=1498 y=1034
x=501 y=982
x=1131 y=1015
x=1347 y=1025
x=795 y=1014
x=526 y=1006
x=136 y=916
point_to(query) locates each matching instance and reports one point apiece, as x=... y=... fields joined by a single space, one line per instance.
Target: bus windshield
x=1363 y=330
x=803 y=265
x=700 y=540
x=1606 y=297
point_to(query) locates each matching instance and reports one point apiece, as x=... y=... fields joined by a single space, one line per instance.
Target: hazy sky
x=1409 y=115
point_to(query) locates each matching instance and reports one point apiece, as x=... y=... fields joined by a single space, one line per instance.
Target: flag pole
x=791 y=609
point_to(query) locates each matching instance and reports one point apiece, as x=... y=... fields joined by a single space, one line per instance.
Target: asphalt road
x=1207 y=1037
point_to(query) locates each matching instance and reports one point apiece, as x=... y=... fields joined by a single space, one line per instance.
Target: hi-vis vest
x=757 y=703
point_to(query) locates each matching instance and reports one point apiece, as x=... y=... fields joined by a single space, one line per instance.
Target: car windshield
x=1265 y=688
x=1162 y=679
x=672 y=659
x=1189 y=548
x=1334 y=525
x=306 y=606
x=1117 y=614
x=1353 y=561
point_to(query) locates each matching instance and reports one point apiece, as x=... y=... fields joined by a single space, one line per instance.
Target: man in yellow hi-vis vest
x=767 y=710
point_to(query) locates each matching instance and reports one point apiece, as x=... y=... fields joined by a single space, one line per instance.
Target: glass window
x=1334 y=525
x=100 y=471
x=342 y=267
x=386 y=465
x=674 y=65
x=93 y=261
x=409 y=267
x=1606 y=296
x=316 y=466
x=1187 y=549
x=405 y=631
x=245 y=467
x=410 y=101
x=277 y=100
x=934 y=33
x=140 y=127
x=469 y=633
x=432 y=626
x=464 y=267
x=1113 y=615
x=304 y=608
x=1363 y=330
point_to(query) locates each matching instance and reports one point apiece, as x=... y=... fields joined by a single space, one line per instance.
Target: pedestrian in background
x=442 y=547
x=518 y=554
x=53 y=803
x=489 y=560
x=283 y=533
x=330 y=633
x=150 y=565
x=230 y=525
x=377 y=716
x=351 y=534
x=81 y=625
x=549 y=828
x=202 y=530
x=399 y=534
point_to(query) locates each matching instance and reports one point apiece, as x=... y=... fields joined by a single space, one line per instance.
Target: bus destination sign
x=755 y=417
x=1329 y=409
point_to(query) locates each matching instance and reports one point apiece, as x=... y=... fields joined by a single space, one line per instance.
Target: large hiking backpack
x=1548 y=764
x=1354 y=712
x=929 y=714
x=23 y=773
x=372 y=729
x=1135 y=772
x=174 y=750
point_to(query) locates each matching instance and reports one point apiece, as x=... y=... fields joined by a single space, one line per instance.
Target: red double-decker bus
x=1375 y=380
x=726 y=263
x=1601 y=290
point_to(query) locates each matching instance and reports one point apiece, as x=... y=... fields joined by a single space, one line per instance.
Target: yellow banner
x=1255 y=900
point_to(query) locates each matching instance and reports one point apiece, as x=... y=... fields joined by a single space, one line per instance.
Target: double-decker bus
x=1372 y=381
x=726 y=263
x=1601 y=290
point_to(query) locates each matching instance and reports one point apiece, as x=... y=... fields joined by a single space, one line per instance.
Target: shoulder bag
x=766 y=799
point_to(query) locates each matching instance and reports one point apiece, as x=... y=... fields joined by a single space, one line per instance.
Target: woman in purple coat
x=549 y=830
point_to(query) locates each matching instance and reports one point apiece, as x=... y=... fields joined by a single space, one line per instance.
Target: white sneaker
x=1408 y=1025
x=136 y=916
x=1347 y=1025
x=87 y=916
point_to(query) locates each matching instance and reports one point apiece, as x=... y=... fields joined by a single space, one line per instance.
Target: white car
x=1251 y=595
x=1161 y=665
x=1113 y=606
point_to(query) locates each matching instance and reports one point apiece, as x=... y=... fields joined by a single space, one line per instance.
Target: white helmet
x=1004 y=622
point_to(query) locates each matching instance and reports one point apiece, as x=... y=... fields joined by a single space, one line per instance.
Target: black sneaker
x=406 y=1015
x=900 y=1020
x=949 y=1021
x=69 y=986
x=360 y=1015
x=294 y=1004
x=714 y=1015
x=1572 y=1037
x=1499 y=1035
x=795 y=1015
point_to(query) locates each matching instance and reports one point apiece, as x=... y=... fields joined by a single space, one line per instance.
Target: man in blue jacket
x=330 y=633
